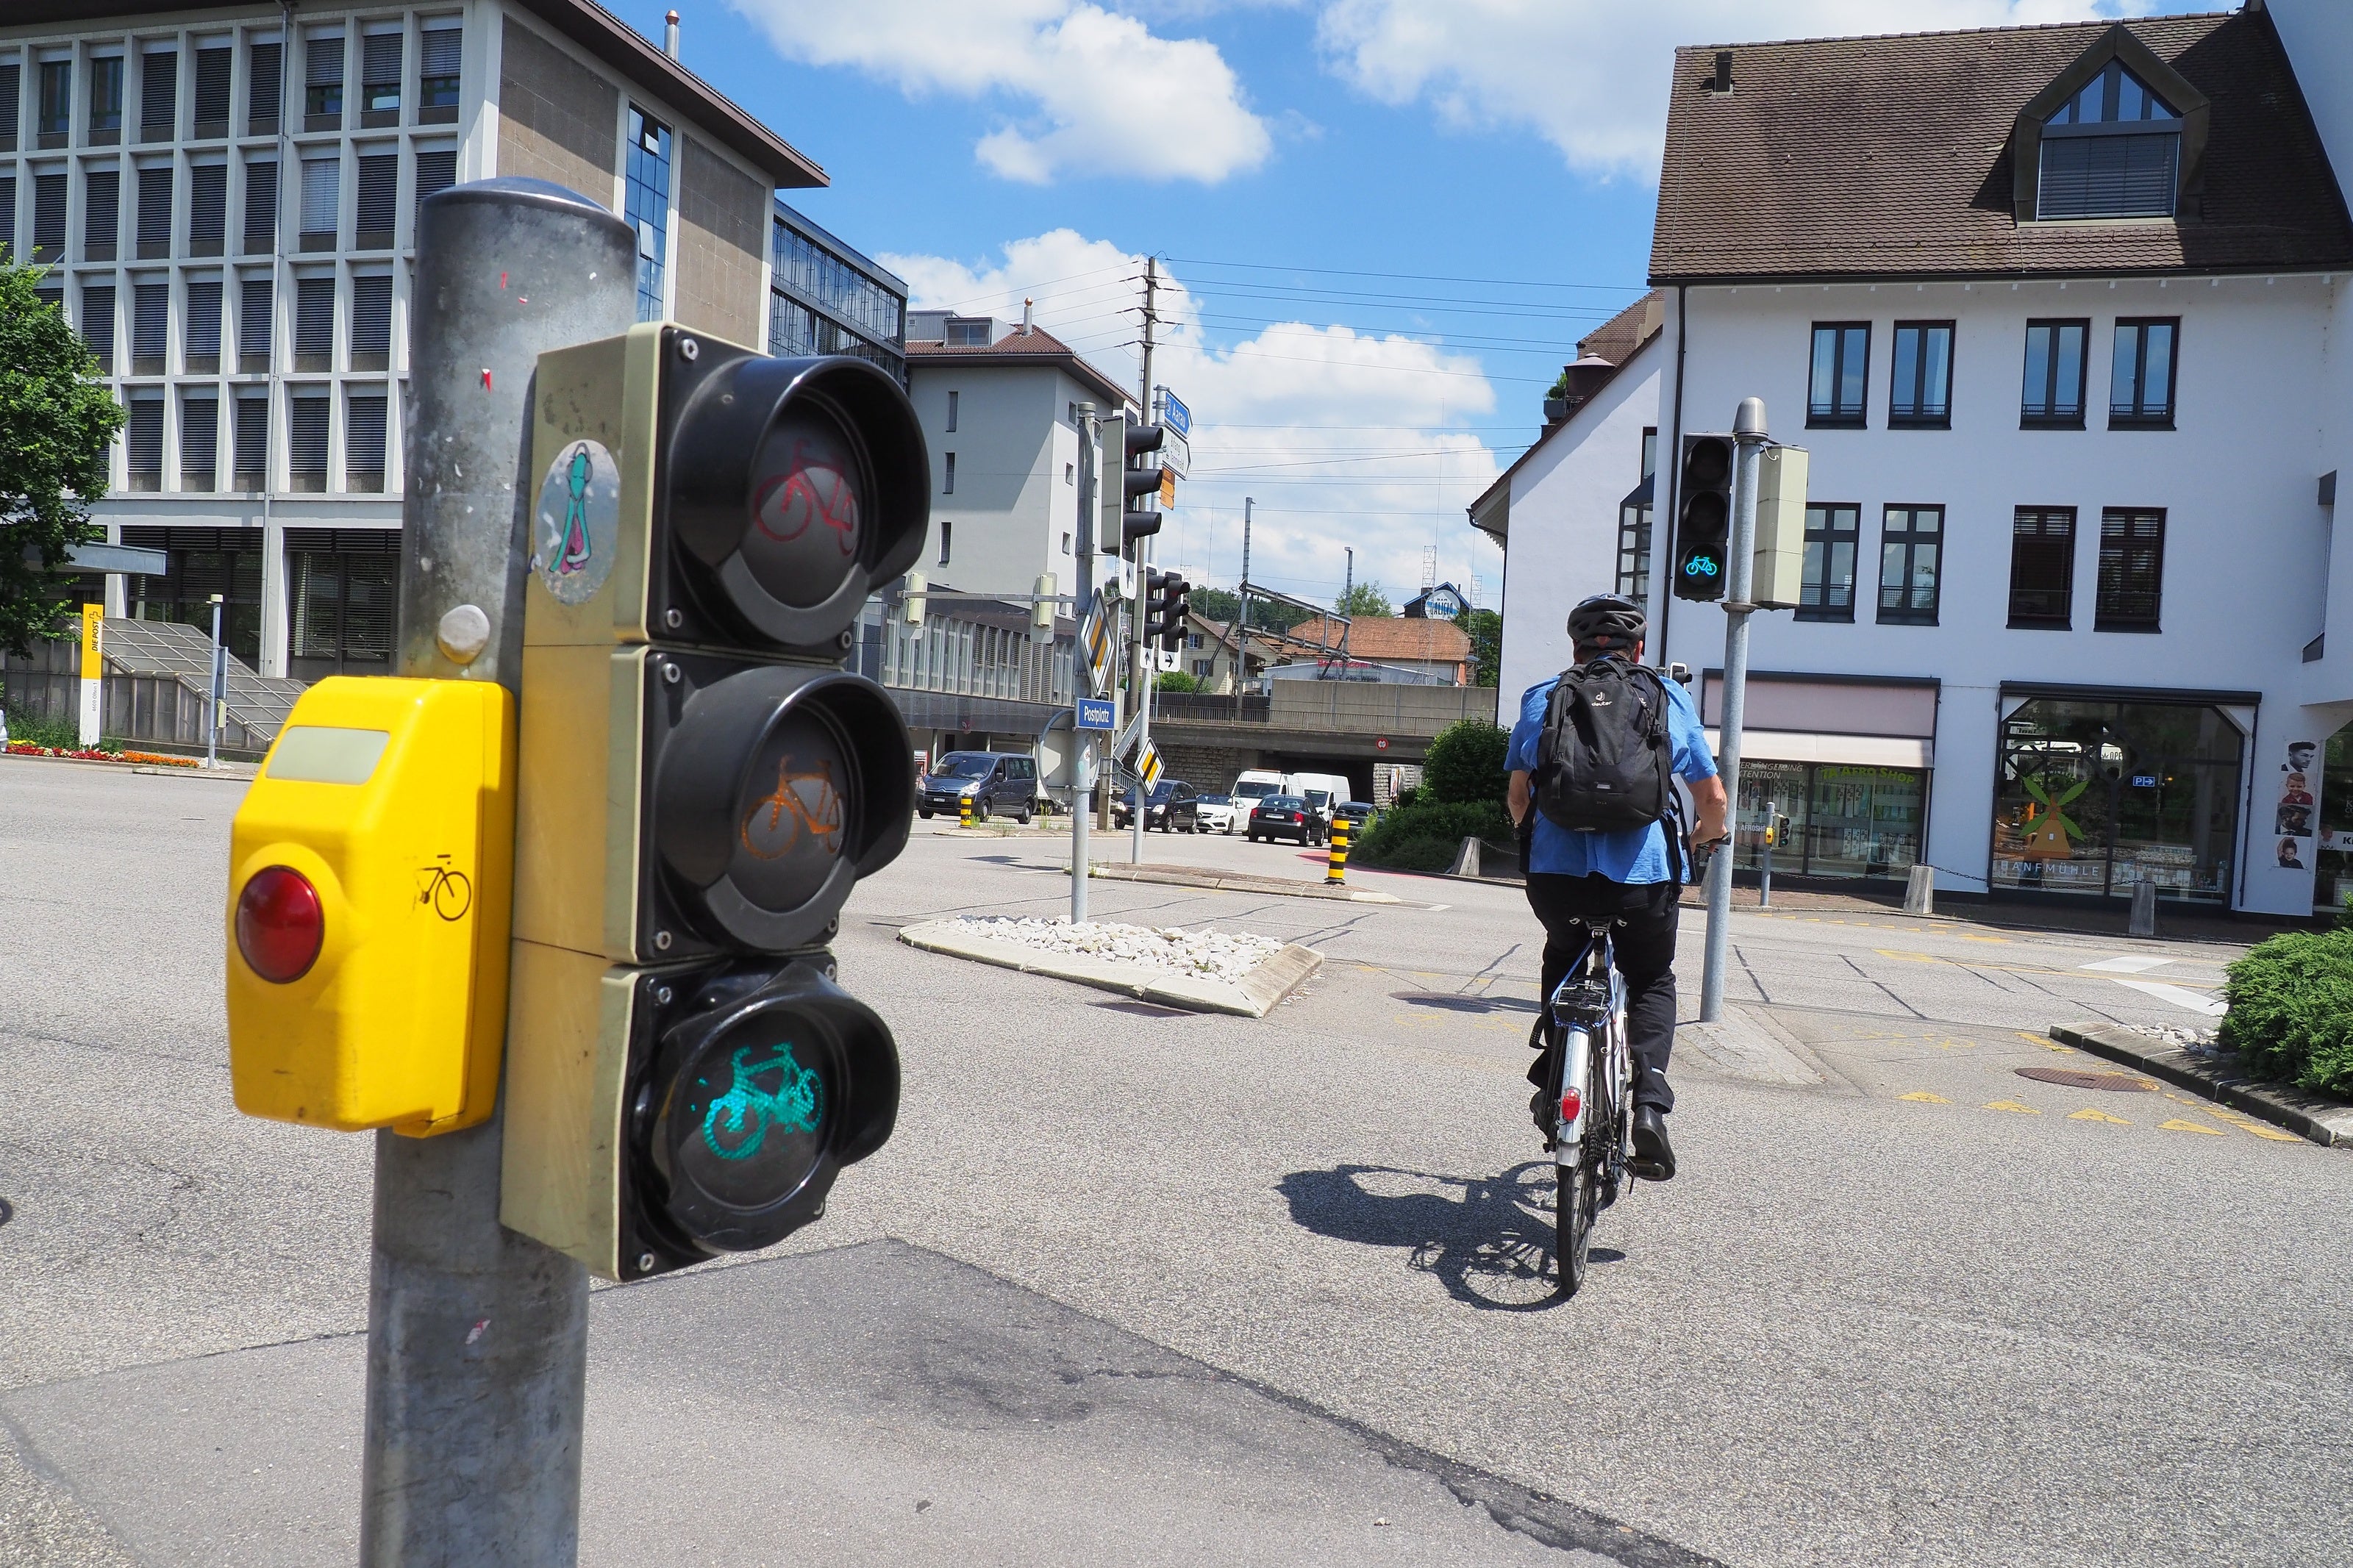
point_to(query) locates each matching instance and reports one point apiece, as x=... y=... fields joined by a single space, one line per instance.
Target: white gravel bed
x=2178 y=1034
x=1214 y=954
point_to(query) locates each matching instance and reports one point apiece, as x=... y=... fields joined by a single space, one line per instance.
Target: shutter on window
x=314 y=322
x=48 y=217
x=97 y=324
x=204 y=322
x=379 y=198
x=101 y=213
x=253 y=324
x=435 y=172
x=363 y=442
x=442 y=47
x=208 y=208
x=252 y=442
x=11 y=93
x=264 y=74
x=260 y=208
x=144 y=437
x=199 y=440
x=151 y=305
x=8 y=215
x=212 y=92
x=322 y=185
x=371 y=322
x=306 y=447
x=2107 y=176
x=159 y=93
x=379 y=66
x=155 y=211
x=323 y=62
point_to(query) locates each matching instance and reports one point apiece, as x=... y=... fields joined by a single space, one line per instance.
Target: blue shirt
x=1636 y=854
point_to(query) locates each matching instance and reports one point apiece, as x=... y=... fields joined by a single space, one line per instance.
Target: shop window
x=2043 y=568
x=2332 y=885
x=2052 y=398
x=2140 y=381
x=341 y=598
x=2094 y=798
x=1826 y=590
x=1845 y=821
x=1911 y=545
x=1840 y=374
x=1921 y=396
x=200 y=563
x=2132 y=570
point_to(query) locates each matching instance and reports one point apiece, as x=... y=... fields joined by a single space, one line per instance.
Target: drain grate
x=2115 y=1082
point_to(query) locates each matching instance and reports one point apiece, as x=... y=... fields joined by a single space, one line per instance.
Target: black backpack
x=1604 y=761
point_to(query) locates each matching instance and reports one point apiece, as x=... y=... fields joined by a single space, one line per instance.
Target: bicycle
x=1592 y=1098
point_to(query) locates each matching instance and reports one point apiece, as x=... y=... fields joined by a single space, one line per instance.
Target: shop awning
x=1849 y=751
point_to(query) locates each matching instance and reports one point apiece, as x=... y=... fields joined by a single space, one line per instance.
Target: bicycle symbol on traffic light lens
x=738 y=1122
x=802 y=801
x=785 y=504
x=1701 y=566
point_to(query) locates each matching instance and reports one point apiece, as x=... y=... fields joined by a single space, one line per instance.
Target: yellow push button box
x=370 y=881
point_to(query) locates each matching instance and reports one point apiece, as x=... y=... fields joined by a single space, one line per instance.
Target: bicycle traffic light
x=1704 y=523
x=699 y=787
x=1145 y=479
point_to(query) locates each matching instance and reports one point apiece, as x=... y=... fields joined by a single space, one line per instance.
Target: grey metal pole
x=1083 y=603
x=1748 y=439
x=212 y=690
x=1139 y=681
x=477 y=1337
x=1241 y=612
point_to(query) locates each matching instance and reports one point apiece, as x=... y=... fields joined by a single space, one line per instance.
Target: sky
x=1381 y=224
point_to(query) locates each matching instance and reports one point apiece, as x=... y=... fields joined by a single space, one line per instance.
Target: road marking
x=2179 y=1125
x=1907 y=957
x=2181 y=997
x=1925 y=1098
x=2012 y=1105
x=2088 y=1114
x=2273 y=1133
x=1966 y=937
x=2127 y=963
x=2046 y=1043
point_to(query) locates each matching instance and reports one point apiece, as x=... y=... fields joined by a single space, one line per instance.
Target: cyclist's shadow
x=1488 y=1240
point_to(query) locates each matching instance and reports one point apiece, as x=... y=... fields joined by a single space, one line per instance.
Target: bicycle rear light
x=1571 y=1103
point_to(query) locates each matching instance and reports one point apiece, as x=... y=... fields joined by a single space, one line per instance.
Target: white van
x=1254 y=785
x=1322 y=792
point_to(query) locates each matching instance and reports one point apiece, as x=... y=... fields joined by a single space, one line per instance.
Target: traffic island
x=1198 y=971
x=1233 y=882
x=2218 y=1076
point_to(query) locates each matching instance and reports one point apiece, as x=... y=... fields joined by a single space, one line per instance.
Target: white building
x=2060 y=314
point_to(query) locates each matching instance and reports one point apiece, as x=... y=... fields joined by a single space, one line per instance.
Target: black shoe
x=1540 y=1110
x=1654 y=1157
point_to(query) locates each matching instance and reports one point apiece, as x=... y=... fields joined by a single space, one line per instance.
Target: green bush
x=1424 y=836
x=1466 y=762
x=1409 y=795
x=2291 y=1009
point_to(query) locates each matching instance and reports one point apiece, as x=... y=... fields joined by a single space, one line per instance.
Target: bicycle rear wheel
x=1577 y=1202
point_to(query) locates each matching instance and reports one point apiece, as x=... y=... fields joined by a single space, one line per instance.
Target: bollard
x=1335 y=859
x=964 y=811
x=1920 y=892
x=2144 y=909
x=1466 y=859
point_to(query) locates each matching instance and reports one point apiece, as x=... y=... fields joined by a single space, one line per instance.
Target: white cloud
x=1590 y=75
x=1085 y=78
x=1344 y=438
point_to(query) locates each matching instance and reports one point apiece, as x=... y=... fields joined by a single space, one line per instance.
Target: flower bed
x=87 y=754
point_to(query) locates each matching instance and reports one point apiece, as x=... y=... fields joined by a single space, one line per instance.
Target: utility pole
x=1347 y=609
x=1140 y=680
x=1082 y=744
x=1748 y=443
x=1241 y=613
x=478 y=1336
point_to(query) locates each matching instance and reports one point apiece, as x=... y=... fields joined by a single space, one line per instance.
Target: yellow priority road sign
x=1095 y=638
x=1146 y=765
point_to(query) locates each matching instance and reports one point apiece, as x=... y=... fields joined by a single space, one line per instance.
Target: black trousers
x=1646 y=957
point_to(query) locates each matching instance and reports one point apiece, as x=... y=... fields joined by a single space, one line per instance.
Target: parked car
x=1357 y=812
x=995 y=781
x=1173 y=807
x=1285 y=816
x=1221 y=812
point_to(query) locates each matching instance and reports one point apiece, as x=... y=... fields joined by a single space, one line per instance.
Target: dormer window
x=2112 y=151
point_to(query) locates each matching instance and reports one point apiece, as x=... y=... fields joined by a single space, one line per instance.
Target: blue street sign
x=1094 y=713
x=1174 y=413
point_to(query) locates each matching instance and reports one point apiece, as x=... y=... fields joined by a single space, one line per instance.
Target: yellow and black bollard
x=964 y=811
x=1337 y=860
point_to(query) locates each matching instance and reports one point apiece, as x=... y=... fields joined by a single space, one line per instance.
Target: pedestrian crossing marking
x=2088 y=1114
x=2012 y=1105
x=1925 y=1098
x=2178 y=1125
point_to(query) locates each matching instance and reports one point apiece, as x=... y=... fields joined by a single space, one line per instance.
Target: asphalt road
x=1917 y=1309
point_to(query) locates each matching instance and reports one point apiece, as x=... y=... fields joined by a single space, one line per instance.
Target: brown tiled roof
x=1616 y=339
x=1378 y=638
x=1035 y=346
x=1890 y=156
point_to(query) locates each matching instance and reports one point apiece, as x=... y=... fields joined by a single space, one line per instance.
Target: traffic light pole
x=1139 y=680
x=477 y=1337
x=1748 y=443
x=1082 y=744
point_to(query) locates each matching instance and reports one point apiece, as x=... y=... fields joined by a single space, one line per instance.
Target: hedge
x=2291 y=1010
x=1425 y=835
x=1465 y=762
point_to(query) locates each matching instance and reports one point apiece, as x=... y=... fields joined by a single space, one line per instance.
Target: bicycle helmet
x=1610 y=622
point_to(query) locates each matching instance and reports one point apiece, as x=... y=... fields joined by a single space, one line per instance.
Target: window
x=265 y=74
x=1908 y=544
x=260 y=208
x=952 y=412
x=150 y=313
x=379 y=197
x=253 y=306
x=2053 y=395
x=2109 y=151
x=947 y=538
x=48 y=217
x=200 y=342
x=646 y=206
x=11 y=103
x=306 y=439
x=56 y=105
x=314 y=323
x=106 y=103
x=1650 y=450
x=947 y=485
x=363 y=442
x=155 y=212
x=372 y=322
x=436 y=173
x=380 y=78
x=322 y=193
x=8 y=215
x=97 y=324
x=199 y=440
x=341 y=598
x=1070 y=473
x=2043 y=568
x=208 y=208
x=1842 y=360
x=1826 y=590
x=2132 y=570
x=2140 y=381
x=252 y=437
x=1066 y=541
x=212 y=92
x=436 y=75
x=1922 y=394
x=968 y=333
x=143 y=439
x=1634 y=516
x=322 y=83
x=101 y=213
x=159 y=95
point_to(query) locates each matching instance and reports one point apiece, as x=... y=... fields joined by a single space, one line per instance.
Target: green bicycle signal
x=738 y=1122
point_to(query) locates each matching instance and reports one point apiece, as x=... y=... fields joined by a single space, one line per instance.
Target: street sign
x=1094 y=713
x=1168 y=487
x=1380 y=742
x=1146 y=766
x=1176 y=455
x=1172 y=412
x=1095 y=641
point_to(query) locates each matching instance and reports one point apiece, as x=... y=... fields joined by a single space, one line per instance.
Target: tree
x=1365 y=601
x=1175 y=680
x=1220 y=604
x=1486 y=630
x=57 y=420
x=1465 y=762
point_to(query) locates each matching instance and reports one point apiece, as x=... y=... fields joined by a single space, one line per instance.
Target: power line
x=1402 y=277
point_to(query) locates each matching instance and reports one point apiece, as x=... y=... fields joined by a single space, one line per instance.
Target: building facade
x=2074 y=396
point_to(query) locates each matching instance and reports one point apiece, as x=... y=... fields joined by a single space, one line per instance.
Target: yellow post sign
x=93 y=670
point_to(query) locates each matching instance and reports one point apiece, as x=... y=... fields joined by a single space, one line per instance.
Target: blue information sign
x=1094 y=713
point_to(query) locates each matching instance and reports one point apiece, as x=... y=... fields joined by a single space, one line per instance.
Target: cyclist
x=1630 y=876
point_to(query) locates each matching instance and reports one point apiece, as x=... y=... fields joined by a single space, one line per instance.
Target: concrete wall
x=722 y=226
x=1015 y=499
x=557 y=118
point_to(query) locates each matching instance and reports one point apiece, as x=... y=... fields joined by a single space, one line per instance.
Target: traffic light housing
x=700 y=786
x=1704 y=520
x=1144 y=479
x=1164 y=608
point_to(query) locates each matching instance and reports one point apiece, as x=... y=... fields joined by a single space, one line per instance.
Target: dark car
x=1175 y=806
x=1285 y=816
x=1357 y=812
x=997 y=781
